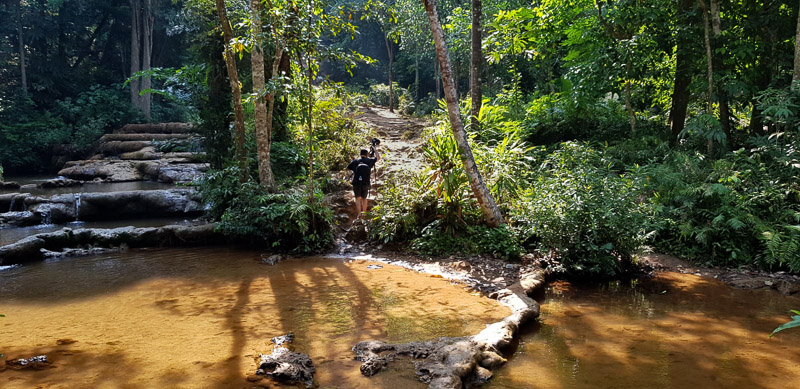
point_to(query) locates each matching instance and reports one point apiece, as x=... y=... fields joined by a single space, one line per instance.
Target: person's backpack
x=362 y=173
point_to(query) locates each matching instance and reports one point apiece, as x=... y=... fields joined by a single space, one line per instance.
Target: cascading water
x=77 y=206
x=11 y=208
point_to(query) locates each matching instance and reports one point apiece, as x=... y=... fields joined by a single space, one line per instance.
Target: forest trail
x=400 y=139
x=401 y=152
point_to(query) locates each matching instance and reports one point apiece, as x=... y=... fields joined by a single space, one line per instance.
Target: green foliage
x=795 y=322
x=736 y=211
x=379 y=95
x=582 y=211
x=285 y=221
x=567 y=116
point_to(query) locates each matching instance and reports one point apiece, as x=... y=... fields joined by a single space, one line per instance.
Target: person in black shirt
x=362 y=167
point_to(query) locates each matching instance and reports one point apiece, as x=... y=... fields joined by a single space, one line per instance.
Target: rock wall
x=37 y=247
x=29 y=209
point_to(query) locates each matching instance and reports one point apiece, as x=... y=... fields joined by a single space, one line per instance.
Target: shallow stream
x=197 y=318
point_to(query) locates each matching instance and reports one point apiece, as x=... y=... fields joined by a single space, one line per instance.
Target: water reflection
x=674 y=331
x=206 y=313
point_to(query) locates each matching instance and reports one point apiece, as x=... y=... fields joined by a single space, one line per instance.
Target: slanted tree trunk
x=490 y=210
x=22 y=75
x=683 y=76
x=136 y=51
x=796 y=73
x=233 y=76
x=263 y=126
x=148 y=19
x=476 y=59
x=390 y=52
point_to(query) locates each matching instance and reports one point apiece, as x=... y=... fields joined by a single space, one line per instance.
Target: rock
x=60 y=183
x=272 y=260
x=9 y=185
x=59 y=243
x=38 y=362
x=155 y=128
x=786 y=287
x=455 y=362
x=25 y=218
x=374 y=267
x=286 y=366
x=460 y=265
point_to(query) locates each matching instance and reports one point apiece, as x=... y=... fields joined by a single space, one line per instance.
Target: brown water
x=675 y=331
x=197 y=318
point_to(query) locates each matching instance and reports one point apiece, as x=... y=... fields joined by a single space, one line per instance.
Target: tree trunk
x=391 y=59
x=476 y=59
x=683 y=76
x=280 y=132
x=724 y=109
x=310 y=132
x=490 y=210
x=148 y=18
x=436 y=79
x=136 y=51
x=416 y=77
x=22 y=75
x=233 y=76
x=709 y=62
x=263 y=127
x=796 y=73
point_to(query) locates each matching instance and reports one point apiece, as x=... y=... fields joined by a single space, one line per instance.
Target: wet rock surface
x=461 y=362
x=284 y=365
x=38 y=362
x=9 y=185
x=71 y=242
x=131 y=153
x=99 y=206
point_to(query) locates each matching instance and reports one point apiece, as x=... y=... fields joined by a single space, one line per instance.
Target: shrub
x=286 y=221
x=582 y=211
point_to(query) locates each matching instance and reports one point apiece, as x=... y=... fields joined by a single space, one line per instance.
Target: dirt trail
x=401 y=151
x=400 y=139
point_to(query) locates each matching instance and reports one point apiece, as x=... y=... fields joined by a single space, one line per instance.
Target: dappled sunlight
x=199 y=317
x=673 y=331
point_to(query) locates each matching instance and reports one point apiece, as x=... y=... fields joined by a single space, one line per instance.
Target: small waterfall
x=11 y=208
x=77 y=206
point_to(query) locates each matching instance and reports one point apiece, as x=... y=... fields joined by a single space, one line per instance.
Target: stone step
x=155 y=128
x=142 y=137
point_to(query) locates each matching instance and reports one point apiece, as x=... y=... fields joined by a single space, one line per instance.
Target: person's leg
x=363 y=204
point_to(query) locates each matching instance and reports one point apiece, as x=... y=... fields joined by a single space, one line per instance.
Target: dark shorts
x=361 y=190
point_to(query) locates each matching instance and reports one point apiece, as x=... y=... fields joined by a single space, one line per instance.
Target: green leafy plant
x=792 y=324
x=582 y=211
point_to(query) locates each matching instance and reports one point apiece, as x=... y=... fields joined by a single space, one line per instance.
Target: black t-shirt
x=363 y=173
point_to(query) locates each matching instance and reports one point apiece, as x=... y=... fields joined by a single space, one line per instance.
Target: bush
x=286 y=221
x=379 y=94
x=582 y=211
x=557 y=118
x=736 y=211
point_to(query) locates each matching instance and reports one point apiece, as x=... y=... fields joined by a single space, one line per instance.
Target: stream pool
x=198 y=318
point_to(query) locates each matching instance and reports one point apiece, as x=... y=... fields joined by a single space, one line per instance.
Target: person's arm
x=377 y=154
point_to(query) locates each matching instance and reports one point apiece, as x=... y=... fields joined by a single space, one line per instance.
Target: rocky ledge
x=465 y=361
x=70 y=241
x=29 y=209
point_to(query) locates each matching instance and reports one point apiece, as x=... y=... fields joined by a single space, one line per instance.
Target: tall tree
x=796 y=72
x=142 y=24
x=233 y=76
x=136 y=51
x=683 y=76
x=488 y=206
x=23 y=76
x=262 y=128
x=476 y=59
